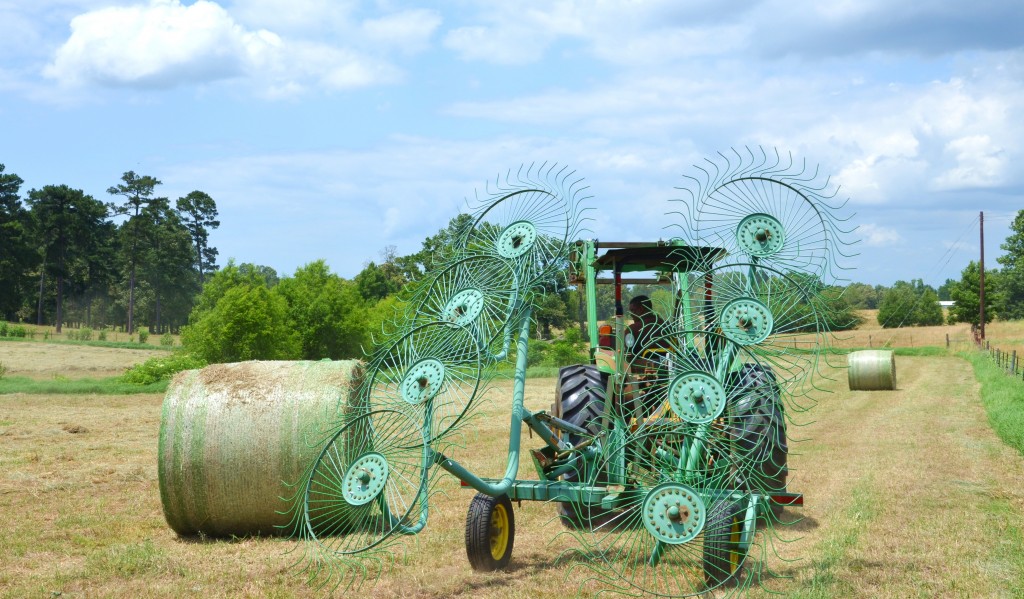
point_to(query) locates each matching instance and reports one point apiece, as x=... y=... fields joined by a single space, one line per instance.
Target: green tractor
x=637 y=371
x=666 y=455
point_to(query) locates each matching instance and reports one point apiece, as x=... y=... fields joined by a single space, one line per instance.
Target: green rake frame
x=665 y=465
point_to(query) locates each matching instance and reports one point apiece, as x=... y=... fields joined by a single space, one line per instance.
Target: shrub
x=18 y=331
x=247 y=323
x=143 y=334
x=3 y=329
x=102 y=336
x=167 y=340
x=85 y=334
x=568 y=351
x=161 y=368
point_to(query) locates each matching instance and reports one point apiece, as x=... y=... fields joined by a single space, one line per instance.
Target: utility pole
x=981 y=295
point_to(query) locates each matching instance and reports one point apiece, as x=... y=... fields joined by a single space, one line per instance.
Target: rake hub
x=696 y=397
x=464 y=307
x=517 y=239
x=746 y=321
x=422 y=381
x=673 y=513
x=365 y=479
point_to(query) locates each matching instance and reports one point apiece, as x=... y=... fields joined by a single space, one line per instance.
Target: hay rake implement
x=665 y=456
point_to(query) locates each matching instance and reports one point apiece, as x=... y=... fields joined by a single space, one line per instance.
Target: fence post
x=1013 y=363
x=869 y=341
x=947 y=340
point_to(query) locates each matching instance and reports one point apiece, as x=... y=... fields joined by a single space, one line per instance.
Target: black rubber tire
x=480 y=532
x=580 y=397
x=580 y=394
x=760 y=428
x=723 y=559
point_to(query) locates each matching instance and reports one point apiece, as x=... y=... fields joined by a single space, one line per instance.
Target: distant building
x=947 y=303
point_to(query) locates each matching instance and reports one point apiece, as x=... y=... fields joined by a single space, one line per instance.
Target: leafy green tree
x=199 y=214
x=377 y=282
x=897 y=306
x=944 y=290
x=166 y=266
x=861 y=296
x=230 y=276
x=327 y=312
x=1010 y=298
x=248 y=322
x=70 y=227
x=18 y=255
x=551 y=311
x=928 y=311
x=966 y=293
x=268 y=274
x=137 y=192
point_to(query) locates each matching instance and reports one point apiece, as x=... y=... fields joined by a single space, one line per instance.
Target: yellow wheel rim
x=499 y=532
x=736 y=534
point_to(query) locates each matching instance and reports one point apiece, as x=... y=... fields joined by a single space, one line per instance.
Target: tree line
x=69 y=258
x=914 y=303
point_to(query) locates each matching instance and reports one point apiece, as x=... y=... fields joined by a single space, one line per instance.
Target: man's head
x=640 y=307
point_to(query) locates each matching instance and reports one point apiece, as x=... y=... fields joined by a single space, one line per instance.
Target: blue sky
x=332 y=128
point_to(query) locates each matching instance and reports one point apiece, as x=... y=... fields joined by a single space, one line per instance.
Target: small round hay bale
x=871 y=370
x=233 y=435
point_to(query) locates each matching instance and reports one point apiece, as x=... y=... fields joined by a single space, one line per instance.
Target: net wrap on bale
x=872 y=370
x=233 y=435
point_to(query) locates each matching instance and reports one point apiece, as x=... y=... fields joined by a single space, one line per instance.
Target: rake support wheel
x=761 y=429
x=490 y=532
x=723 y=555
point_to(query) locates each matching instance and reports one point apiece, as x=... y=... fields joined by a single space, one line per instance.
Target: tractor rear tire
x=723 y=556
x=761 y=429
x=580 y=399
x=490 y=532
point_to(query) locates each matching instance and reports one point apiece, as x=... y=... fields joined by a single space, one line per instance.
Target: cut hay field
x=908 y=493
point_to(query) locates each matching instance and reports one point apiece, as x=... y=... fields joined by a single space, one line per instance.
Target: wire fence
x=1007 y=360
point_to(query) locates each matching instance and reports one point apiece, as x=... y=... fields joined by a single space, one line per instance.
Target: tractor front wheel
x=490 y=532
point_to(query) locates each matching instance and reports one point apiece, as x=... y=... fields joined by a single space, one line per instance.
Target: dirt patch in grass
x=50 y=360
x=908 y=493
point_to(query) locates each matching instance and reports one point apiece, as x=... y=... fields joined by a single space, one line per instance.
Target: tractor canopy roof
x=658 y=258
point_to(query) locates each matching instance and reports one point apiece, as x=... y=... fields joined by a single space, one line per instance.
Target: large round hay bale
x=871 y=370
x=233 y=435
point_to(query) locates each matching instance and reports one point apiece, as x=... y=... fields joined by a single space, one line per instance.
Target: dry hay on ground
x=908 y=493
x=40 y=360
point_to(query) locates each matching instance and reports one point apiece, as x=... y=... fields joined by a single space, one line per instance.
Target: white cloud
x=166 y=44
x=979 y=163
x=160 y=45
x=878 y=236
x=502 y=45
x=301 y=18
x=409 y=31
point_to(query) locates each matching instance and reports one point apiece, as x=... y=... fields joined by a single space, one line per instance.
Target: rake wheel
x=477 y=292
x=765 y=207
x=367 y=484
x=529 y=219
x=434 y=371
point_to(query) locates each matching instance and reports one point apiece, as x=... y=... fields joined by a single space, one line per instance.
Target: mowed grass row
x=908 y=493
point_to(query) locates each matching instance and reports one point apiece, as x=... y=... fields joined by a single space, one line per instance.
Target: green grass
x=1003 y=398
x=926 y=351
x=834 y=549
x=105 y=386
x=114 y=344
